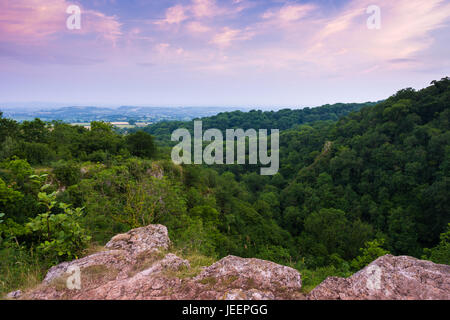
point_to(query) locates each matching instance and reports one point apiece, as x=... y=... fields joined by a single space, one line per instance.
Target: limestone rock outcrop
x=389 y=278
x=136 y=241
x=136 y=265
x=256 y=273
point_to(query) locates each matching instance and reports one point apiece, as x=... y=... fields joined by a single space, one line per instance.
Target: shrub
x=141 y=144
x=61 y=236
x=68 y=173
x=371 y=251
x=440 y=253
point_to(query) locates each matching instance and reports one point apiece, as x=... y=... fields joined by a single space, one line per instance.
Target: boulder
x=389 y=278
x=116 y=259
x=150 y=283
x=145 y=239
x=253 y=273
x=135 y=265
x=125 y=253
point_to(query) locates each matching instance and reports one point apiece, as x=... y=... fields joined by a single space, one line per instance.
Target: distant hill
x=77 y=114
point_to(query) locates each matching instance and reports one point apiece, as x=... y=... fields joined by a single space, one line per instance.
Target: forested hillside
x=375 y=181
x=257 y=119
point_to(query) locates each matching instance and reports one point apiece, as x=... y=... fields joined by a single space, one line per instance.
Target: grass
x=197 y=262
x=145 y=260
x=97 y=273
x=90 y=276
x=209 y=281
x=19 y=269
x=60 y=283
x=229 y=281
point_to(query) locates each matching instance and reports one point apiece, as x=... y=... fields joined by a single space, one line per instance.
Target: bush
x=371 y=251
x=37 y=153
x=98 y=156
x=68 y=173
x=141 y=144
x=311 y=278
x=61 y=236
x=440 y=253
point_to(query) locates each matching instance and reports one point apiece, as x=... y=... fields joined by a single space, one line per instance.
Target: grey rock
x=14 y=295
x=136 y=241
x=389 y=278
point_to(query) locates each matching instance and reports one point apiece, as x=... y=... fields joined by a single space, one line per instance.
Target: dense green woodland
x=356 y=181
x=257 y=119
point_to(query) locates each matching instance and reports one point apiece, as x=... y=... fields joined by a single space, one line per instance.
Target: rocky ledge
x=389 y=278
x=138 y=265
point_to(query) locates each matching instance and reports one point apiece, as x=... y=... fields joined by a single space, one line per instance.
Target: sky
x=249 y=53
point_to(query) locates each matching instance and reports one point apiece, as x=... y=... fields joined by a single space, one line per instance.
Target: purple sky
x=219 y=53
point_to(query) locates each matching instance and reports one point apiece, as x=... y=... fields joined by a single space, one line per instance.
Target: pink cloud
x=302 y=38
x=313 y=41
x=194 y=19
x=204 y=8
x=406 y=30
x=310 y=39
x=32 y=20
x=196 y=9
x=289 y=13
x=227 y=36
x=38 y=21
x=174 y=15
x=105 y=27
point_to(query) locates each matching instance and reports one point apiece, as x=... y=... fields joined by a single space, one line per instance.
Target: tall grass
x=19 y=269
